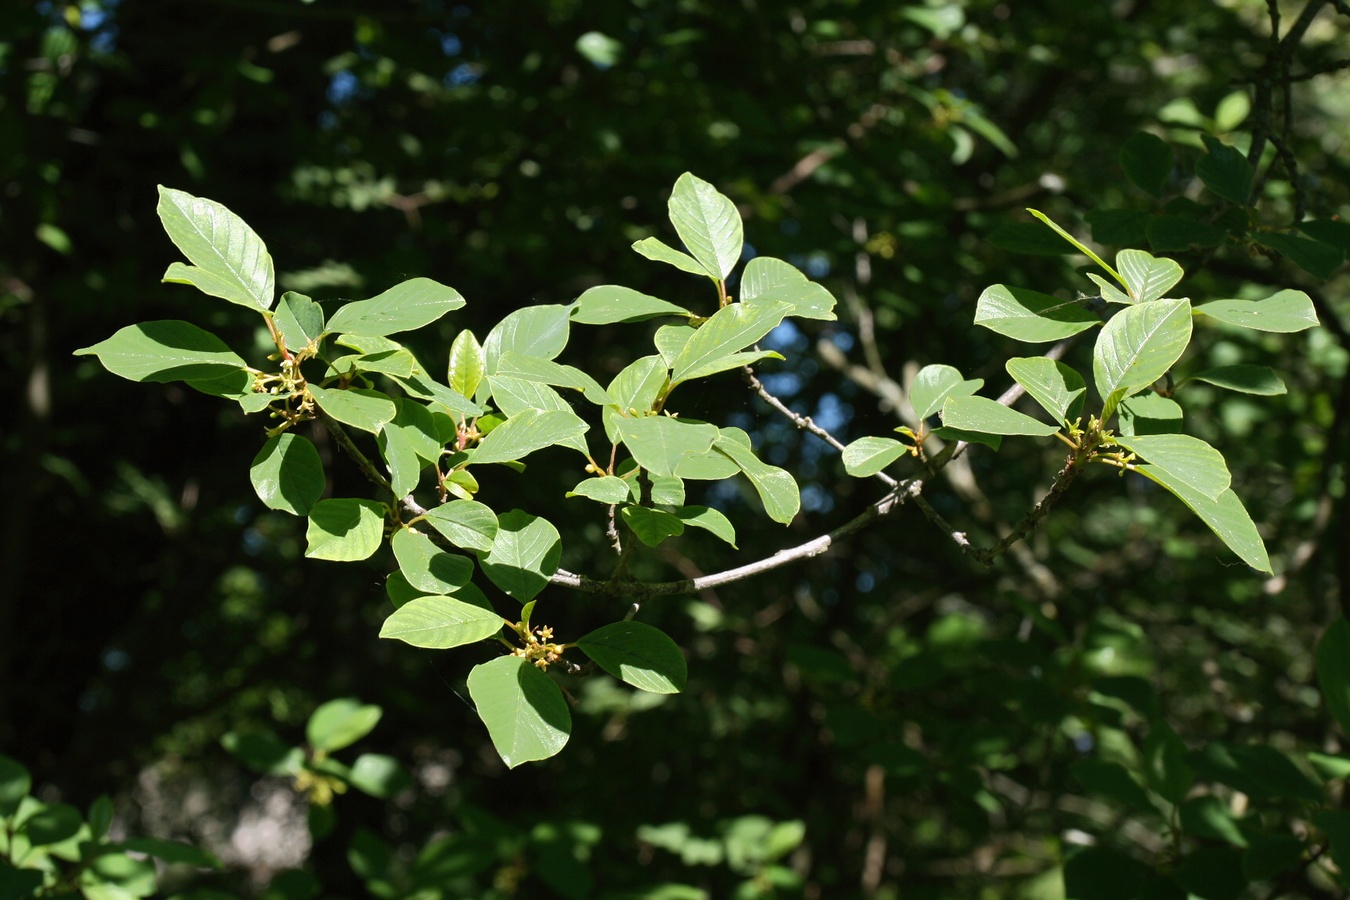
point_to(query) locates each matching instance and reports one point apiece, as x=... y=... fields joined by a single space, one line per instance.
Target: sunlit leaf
x=708 y=223
x=439 y=623
x=228 y=259
x=524 y=711
x=637 y=654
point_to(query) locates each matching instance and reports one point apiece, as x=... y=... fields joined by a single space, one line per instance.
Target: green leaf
x=1310 y=256
x=109 y=874
x=1332 y=232
x=1030 y=316
x=869 y=455
x=1258 y=770
x=709 y=520
x=465 y=523
x=426 y=566
x=1225 y=171
x=1186 y=460
x=167 y=350
x=652 y=526
x=423 y=388
x=1026 y=237
x=17 y=883
x=1333 y=671
x=525 y=554
x=340 y=723
x=1112 y=781
x=609 y=304
x=1336 y=824
x=670 y=340
x=1333 y=768
x=524 y=711
x=636 y=388
x=667 y=490
x=776 y=488
x=408 y=306
x=1147 y=161
x=985 y=416
x=51 y=825
x=1121 y=227
x=400 y=455
x=299 y=319
x=532 y=331
x=546 y=371
x=15 y=783
x=1165 y=764
x=1109 y=291
x=526 y=432
x=344 y=529
x=712 y=465
x=358 y=407
x=708 y=223
x=1057 y=388
x=1286 y=312
x=379 y=775
x=100 y=817
x=1139 y=344
x=1244 y=378
x=287 y=474
x=767 y=280
x=516 y=396
x=439 y=623
x=658 y=251
x=934 y=384
x=714 y=346
x=399 y=363
x=230 y=259
x=171 y=852
x=609 y=489
x=1146 y=276
x=1170 y=233
x=1149 y=413
x=1209 y=817
x=1270 y=855
x=1225 y=515
x=1082 y=248
x=263 y=752
x=419 y=426
x=659 y=442
x=637 y=654
x=468 y=364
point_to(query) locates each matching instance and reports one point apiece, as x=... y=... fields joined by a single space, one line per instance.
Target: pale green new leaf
x=767 y=280
x=423 y=388
x=1147 y=277
x=468 y=364
x=708 y=223
x=287 y=474
x=465 y=523
x=1083 y=248
x=166 y=350
x=985 y=416
x=671 y=339
x=532 y=331
x=635 y=391
x=727 y=332
x=659 y=442
x=1030 y=316
x=608 y=489
x=525 y=554
x=1286 y=312
x=1110 y=292
x=299 y=319
x=360 y=408
x=344 y=529
x=1225 y=516
x=658 y=251
x=427 y=567
x=1243 y=378
x=1059 y=389
x=408 y=306
x=439 y=623
x=637 y=654
x=399 y=450
x=869 y=455
x=1139 y=344
x=524 y=711
x=340 y=723
x=709 y=520
x=609 y=304
x=776 y=488
x=526 y=432
x=230 y=259
x=1185 y=460
x=934 y=384
x=652 y=526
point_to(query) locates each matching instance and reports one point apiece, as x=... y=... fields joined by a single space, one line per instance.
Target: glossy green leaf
x=712 y=465
x=168 y=350
x=408 y=306
x=1225 y=515
x=532 y=331
x=1186 y=460
x=658 y=251
x=1082 y=248
x=287 y=474
x=15 y=783
x=716 y=345
x=1243 y=378
x=344 y=529
x=379 y=775
x=659 y=442
x=1285 y=312
x=1333 y=671
x=638 y=385
x=1057 y=388
x=869 y=455
x=1110 y=291
x=340 y=723
x=1225 y=171
x=652 y=526
x=546 y=371
x=670 y=340
x=1139 y=344
x=525 y=554
x=299 y=319
x=524 y=711
x=1146 y=276
x=465 y=523
x=980 y=414
x=610 y=304
x=767 y=280
x=399 y=450
x=1209 y=817
x=709 y=520
x=776 y=488
x=1258 y=770
x=1147 y=161
x=1149 y=413
x=515 y=396
x=110 y=874
x=637 y=654
x=934 y=384
x=228 y=259
x=666 y=490
x=526 y=432
x=423 y=388
x=100 y=817
x=708 y=223
x=399 y=363
x=1030 y=316
x=1112 y=781
x=427 y=567
x=439 y=623
x=1333 y=768
x=609 y=489
x=358 y=407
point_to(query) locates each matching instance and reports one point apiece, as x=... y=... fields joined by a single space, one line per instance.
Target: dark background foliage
x=922 y=716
